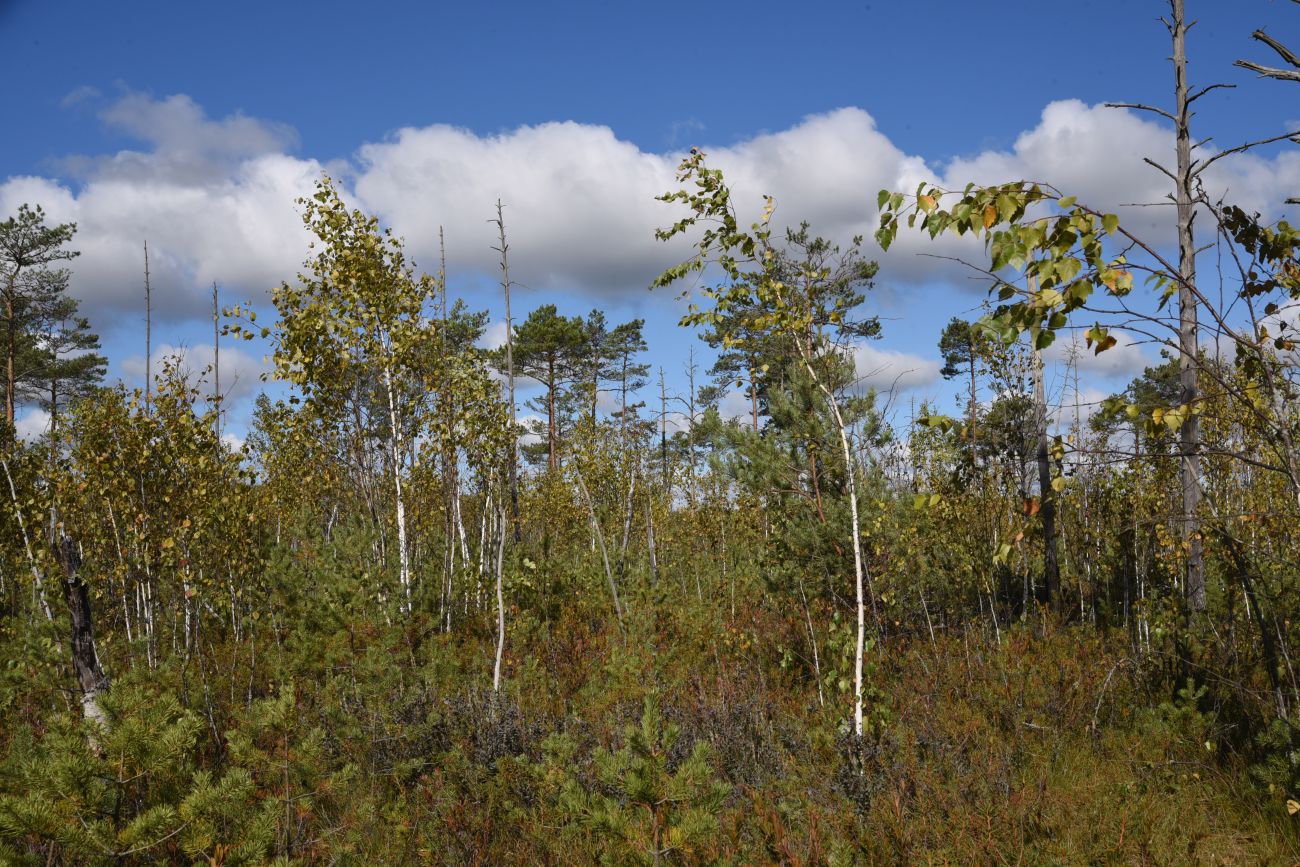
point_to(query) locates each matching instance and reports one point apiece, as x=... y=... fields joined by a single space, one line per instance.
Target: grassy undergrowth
x=690 y=734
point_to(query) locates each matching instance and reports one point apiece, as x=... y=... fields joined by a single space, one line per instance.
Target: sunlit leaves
x=1053 y=240
x=359 y=307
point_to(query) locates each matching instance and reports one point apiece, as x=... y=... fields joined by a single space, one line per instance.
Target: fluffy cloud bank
x=215 y=197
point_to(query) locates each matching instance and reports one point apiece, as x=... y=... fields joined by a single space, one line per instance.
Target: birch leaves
x=1062 y=254
x=357 y=312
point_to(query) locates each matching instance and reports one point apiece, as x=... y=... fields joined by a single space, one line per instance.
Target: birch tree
x=356 y=318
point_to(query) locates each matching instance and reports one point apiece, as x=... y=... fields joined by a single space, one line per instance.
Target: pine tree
x=550 y=348
x=658 y=813
x=625 y=343
x=65 y=366
x=962 y=346
x=28 y=247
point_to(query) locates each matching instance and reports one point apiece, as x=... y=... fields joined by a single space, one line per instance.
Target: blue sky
x=177 y=121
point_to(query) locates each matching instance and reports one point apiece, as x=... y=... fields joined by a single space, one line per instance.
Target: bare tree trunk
x=483 y=541
x=501 y=600
x=974 y=405
x=600 y=540
x=812 y=639
x=663 y=431
x=1189 y=434
x=504 y=250
x=859 y=650
x=216 y=363
x=650 y=534
x=460 y=528
x=10 y=352
x=148 y=334
x=627 y=521
x=1047 y=495
x=85 y=661
x=691 y=367
x=450 y=471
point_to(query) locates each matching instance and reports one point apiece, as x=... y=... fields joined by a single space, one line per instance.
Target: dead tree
x=91 y=678
x=1186 y=179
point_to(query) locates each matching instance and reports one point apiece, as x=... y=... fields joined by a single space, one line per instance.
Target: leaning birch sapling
x=804 y=302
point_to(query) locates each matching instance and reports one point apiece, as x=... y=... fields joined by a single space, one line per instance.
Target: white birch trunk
x=501 y=600
x=404 y=567
x=859 y=572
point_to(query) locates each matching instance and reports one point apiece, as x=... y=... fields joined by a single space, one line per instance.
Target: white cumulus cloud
x=32 y=425
x=215 y=197
x=887 y=370
x=1126 y=359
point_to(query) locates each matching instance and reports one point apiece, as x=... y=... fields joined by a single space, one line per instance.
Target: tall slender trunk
x=650 y=535
x=148 y=334
x=483 y=542
x=216 y=363
x=690 y=430
x=11 y=329
x=859 y=569
x=627 y=521
x=501 y=600
x=504 y=250
x=600 y=540
x=460 y=527
x=663 y=430
x=450 y=471
x=1189 y=433
x=394 y=441
x=1047 y=495
x=974 y=405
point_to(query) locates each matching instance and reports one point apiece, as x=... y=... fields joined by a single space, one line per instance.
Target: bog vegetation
x=390 y=629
